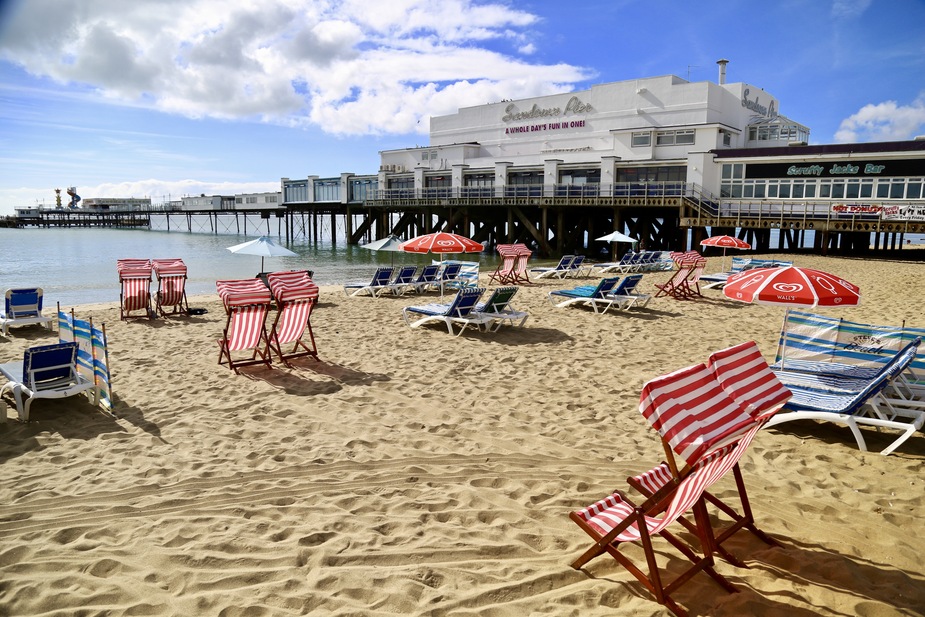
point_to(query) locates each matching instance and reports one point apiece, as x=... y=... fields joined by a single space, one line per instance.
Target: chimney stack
x=722 y=70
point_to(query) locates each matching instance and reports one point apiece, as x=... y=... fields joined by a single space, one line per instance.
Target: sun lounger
x=595 y=296
x=457 y=312
x=498 y=309
x=23 y=307
x=379 y=283
x=46 y=371
x=558 y=271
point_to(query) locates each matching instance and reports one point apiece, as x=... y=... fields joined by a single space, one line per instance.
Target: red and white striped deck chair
x=135 y=280
x=615 y=520
x=674 y=286
x=652 y=480
x=520 y=264
x=171 y=287
x=296 y=296
x=690 y=287
x=245 y=327
x=504 y=273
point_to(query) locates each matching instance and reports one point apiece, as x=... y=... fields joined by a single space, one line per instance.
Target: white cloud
x=350 y=66
x=887 y=121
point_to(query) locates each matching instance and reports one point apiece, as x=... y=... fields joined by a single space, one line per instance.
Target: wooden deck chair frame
x=504 y=273
x=521 y=265
x=171 y=287
x=628 y=522
x=245 y=330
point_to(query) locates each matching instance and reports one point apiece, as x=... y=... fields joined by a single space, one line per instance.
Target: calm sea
x=78 y=265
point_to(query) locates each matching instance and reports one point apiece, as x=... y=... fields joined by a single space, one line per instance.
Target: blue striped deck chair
x=558 y=271
x=23 y=307
x=595 y=296
x=378 y=284
x=834 y=399
x=626 y=263
x=458 y=312
x=46 y=371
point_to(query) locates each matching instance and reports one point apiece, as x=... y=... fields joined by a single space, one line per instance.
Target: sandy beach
x=409 y=472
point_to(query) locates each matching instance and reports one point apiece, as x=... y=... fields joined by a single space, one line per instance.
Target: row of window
x=852 y=188
x=679 y=137
x=773 y=132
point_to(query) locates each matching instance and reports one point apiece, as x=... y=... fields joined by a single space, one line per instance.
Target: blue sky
x=165 y=98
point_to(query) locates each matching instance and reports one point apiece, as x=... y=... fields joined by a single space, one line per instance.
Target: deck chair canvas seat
x=297 y=295
x=498 y=309
x=46 y=371
x=595 y=296
x=171 y=277
x=616 y=520
x=135 y=280
x=379 y=283
x=242 y=291
x=521 y=263
x=23 y=307
x=457 y=312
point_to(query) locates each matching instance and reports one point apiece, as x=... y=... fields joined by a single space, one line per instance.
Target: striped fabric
x=292 y=285
x=168 y=267
x=810 y=399
x=654 y=479
x=291 y=322
x=133 y=264
x=817 y=339
x=745 y=375
x=246 y=326
x=242 y=292
x=608 y=513
x=692 y=412
x=135 y=294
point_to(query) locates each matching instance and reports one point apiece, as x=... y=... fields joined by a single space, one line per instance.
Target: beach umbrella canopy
x=792 y=286
x=442 y=242
x=263 y=247
x=391 y=243
x=726 y=242
x=616 y=236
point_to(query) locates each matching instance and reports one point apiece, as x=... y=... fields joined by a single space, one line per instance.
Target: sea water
x=76 y=266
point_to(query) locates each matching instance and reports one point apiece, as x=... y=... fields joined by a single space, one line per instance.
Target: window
x=252 y=200
x=727 y=138
x=838 y=189
x=913 y=189
x=798 y=189
x=641 y=140
x=671 y=138
x=867 y=187
x=897 y=189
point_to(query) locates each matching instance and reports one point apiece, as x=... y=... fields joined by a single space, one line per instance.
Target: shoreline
x=412 y=472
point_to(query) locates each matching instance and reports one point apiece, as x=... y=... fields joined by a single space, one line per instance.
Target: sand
x=409 y=472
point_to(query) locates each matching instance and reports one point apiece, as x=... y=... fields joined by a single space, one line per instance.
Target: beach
x=410 y=472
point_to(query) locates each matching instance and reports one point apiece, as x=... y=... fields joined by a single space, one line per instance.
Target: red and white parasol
x=442 y=242
x=792 y=286
x=726 y=242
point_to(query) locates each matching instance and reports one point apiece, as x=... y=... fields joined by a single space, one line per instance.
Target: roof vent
x=919 y=138
x=796 y=143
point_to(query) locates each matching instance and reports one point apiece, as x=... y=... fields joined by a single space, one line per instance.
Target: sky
x=168 y=98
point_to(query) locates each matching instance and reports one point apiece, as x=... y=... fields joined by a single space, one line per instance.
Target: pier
x=553 y=220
